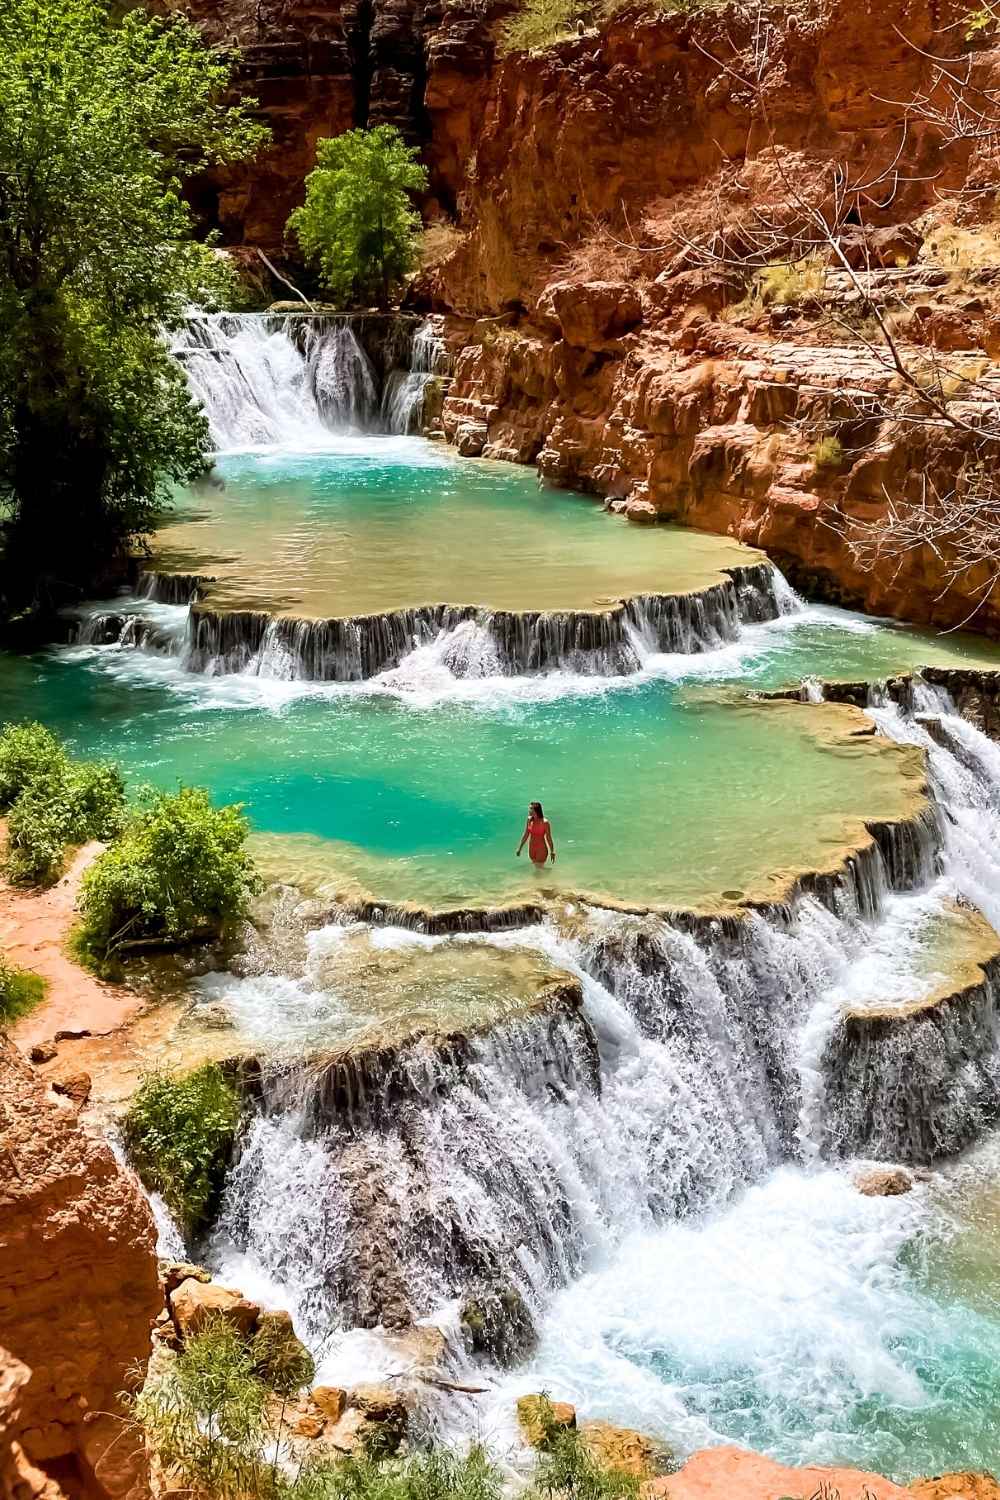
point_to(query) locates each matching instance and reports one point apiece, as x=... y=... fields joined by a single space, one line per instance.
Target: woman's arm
x=548 y=840
x=524 y=839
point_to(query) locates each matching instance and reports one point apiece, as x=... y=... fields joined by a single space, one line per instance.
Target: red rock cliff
x=78 y=1292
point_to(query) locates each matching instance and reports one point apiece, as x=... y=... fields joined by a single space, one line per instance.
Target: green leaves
x=180 y=871
x=53 y=802
x=101 y=123
x=358 y=223
x=179 y=1134
x=20 y=992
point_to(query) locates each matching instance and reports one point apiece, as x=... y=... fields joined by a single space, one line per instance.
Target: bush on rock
x=180 y=872
x=179 y=1136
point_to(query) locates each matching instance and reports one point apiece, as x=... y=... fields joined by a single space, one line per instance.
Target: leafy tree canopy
x=101 y=122
x=358 y=224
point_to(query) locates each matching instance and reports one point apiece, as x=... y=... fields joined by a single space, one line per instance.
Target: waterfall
x=511 y=1159
x=294 y=379
x=469 y=642
x=405 y=390
x=708 y=1052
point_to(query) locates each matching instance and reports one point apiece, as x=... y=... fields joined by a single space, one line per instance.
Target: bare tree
x=835 y=228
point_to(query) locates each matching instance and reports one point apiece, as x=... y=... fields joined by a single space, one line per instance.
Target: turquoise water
x=805 y=1320
x=386 y=523
x=652 y=798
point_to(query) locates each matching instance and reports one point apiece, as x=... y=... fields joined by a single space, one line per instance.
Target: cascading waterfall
x=405 y=390
x=464 y=641
x=294 y=379
x=511 y=1161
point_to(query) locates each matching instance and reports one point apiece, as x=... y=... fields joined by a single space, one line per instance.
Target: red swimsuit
x=537 y=847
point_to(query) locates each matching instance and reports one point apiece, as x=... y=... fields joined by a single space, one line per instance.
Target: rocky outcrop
x=589 y=341
x=957 y=1487
x=319 y=69
x=78 y=1290
x=725 y=1473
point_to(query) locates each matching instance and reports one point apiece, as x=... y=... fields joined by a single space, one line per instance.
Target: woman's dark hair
x=536 y=808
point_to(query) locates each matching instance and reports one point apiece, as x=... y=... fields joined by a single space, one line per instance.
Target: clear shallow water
x=385 y=523
x=651 y=800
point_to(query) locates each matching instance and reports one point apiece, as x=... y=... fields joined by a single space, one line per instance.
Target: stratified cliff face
x=588 y=338
x=319 y=67
x=78 y=1292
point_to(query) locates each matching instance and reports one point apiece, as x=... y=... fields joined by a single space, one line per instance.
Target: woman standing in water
x=538 y=836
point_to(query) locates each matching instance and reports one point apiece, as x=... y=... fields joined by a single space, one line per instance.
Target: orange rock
x=78 y=1286
x=72 y=1086
x=194 y=1302
x=330 y=1400
x=957 y=1487
x=736 y=1474
x=883 y=1182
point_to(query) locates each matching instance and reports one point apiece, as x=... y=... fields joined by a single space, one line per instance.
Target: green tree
x=101 y=122
x=358 y=224
x=179 y=873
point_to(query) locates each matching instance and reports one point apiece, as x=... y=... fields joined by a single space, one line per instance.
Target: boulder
x=72 y=1086
x=957 y=1487
x=496 y=1323
x=592 y=314
x=375 y=1421
x=331 y=1400
x=624 y=1451
x=736 y=1474
x=280 y=1358
x=173 y=1272
x=539 y=1418
x=883 y=1182
x=43 y=1052
x=194 y=1302
x=471 y=438
x=380 y=1403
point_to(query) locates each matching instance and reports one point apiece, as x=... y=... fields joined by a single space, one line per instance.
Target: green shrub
x=20 y=992
x=437 y=1475
x=828 y=453
x=205 y=1414
x=786 y=285
x=540 y=23
x=567 y=1468
x=179 y=872
x=179 y=1134
x=52 y=801
x=26 y=751
x=279 y=1359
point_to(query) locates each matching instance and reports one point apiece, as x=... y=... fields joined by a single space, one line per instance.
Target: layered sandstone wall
x=78 y=1293
x=319 y=67
x=583 y=337
x=586 y=340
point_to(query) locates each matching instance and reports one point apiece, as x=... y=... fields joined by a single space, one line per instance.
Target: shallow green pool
x=385 y=523
x=651 y=799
